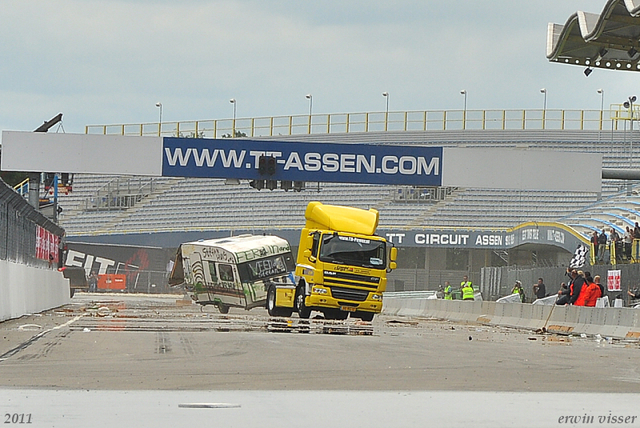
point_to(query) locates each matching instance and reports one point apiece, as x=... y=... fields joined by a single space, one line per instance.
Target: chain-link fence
x=26 y=236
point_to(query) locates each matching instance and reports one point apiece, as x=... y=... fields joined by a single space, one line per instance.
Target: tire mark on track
x=10 y=353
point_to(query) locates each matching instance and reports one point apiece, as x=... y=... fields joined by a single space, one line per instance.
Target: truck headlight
x=376 y=296
x=318 y=290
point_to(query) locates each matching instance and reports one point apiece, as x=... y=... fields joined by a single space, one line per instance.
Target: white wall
x=26 y=290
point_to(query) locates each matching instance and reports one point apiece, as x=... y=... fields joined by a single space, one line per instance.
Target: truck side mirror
x=393 y=255
x=307 y=254
x=393 y=265
x=309 y=242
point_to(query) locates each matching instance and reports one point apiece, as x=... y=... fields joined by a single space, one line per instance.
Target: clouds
x=111 y=61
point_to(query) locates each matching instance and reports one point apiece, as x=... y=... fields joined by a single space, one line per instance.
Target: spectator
x=448 y=291
x=635 y=294
x=440 y=292
x=594 y=241
x=593 y=293
x=636 y=231
x=467 y=290
x=614 y=243
x=602 y=245
x=93 y=282
x=539 y=289
x=563 y=295
x=517 y=288
x=585 y=291
x=576 y=287
x=596 y=279
x=627 y=240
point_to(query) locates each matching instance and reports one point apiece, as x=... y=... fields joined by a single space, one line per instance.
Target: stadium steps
x=423 y=218
x=160 y=188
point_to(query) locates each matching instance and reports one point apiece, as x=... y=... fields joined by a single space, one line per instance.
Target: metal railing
x=596 y=120
x=120 y=193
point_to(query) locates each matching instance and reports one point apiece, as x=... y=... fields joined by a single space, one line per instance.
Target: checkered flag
x=579 y=257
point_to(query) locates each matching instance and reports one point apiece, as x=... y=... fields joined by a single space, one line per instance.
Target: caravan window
x=226 y=272
x=212 y=272
x=267 y=267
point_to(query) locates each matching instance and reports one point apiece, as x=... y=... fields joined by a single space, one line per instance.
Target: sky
x=110 y=62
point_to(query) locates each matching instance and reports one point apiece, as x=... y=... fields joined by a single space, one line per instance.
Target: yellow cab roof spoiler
x=341 y=219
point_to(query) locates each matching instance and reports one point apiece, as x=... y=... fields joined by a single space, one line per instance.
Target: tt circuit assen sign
x=555 y=234
x=355 y=163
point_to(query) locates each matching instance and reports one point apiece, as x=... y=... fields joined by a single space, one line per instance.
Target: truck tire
x=273 y=310
x=303 y=311
x=271 y=302
x=224 y=309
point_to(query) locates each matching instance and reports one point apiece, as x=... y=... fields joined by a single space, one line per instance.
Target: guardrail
x=606 y=322
x=378 y=122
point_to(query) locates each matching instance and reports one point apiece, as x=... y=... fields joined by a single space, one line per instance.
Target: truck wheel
x=224 y=309
x=271 y=302
x=303 y=311
x=273 y=310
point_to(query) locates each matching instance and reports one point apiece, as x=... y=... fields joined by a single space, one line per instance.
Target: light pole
x=159 y=105
x=310 y=98
x=386 y=112
x=233 y=126
x=464 y=109
x=544 y=107
x=601 y=92
x=629 y=104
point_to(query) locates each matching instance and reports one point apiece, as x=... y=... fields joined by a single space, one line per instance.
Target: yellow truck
x=341 y=268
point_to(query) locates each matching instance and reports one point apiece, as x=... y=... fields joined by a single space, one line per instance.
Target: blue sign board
x=297 y=161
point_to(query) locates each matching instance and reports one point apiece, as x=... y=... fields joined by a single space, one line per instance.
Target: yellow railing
x=376 y=122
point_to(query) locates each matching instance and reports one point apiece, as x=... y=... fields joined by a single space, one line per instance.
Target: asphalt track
x=102 y=346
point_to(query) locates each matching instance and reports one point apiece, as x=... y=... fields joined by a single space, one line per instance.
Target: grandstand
x=107 y=205
x=165 y=211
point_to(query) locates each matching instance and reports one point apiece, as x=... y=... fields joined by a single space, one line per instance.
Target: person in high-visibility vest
x=466 y=288
x=517 y=289
x=448 y=290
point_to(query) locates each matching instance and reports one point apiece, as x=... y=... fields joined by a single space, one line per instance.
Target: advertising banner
x=46 y=245
x=613 y=280
x=296 y=161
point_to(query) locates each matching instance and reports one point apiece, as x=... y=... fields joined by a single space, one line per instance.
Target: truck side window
x=226 y=272
x=316 y=243
x=212 y=272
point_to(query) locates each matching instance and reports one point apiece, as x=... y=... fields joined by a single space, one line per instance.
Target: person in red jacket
x=593 y=293
x=576 y=288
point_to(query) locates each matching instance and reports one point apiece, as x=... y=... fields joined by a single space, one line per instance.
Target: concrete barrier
x=26 y=289
x=607 y=322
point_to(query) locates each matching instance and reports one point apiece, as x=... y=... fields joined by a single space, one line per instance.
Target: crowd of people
x=602 y=244
x=582 y=289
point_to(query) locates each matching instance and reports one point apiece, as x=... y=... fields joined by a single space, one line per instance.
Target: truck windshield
x=353 y=251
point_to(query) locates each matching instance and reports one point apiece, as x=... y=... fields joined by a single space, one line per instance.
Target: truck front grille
x=349 y=294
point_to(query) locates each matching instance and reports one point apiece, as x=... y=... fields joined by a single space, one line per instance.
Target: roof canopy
x=608 y=40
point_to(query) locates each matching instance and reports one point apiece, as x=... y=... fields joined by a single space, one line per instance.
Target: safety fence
x=615 y=118
x=26 y=236
x=606 y=322
x=29 y=255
